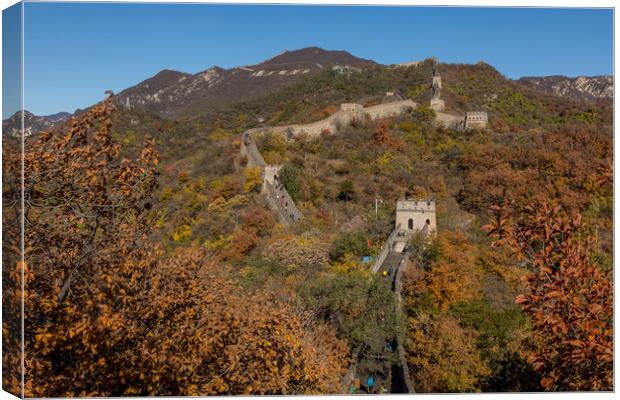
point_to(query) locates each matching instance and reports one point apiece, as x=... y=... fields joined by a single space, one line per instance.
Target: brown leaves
x=383 y=138
x=214 y=338
x=567 y=297
x=85 y=231
x=106 y=317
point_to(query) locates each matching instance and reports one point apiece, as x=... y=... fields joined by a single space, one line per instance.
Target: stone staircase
x=278 y=198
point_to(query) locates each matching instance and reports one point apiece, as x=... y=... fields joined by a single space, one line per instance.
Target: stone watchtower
x=476 y=120
x=436 y=103
x=413 y=215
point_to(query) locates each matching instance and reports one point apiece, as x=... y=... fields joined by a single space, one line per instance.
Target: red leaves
x=567 y=298
x=521 y=299
x=383 y=138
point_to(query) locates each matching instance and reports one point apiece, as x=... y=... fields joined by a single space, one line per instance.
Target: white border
x=480 y=3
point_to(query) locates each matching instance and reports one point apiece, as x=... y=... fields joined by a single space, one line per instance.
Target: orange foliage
x=383 y=138
x=87 y=252
x=453 y=277
x=208 y=336
x=569 y=300
x=104 y=317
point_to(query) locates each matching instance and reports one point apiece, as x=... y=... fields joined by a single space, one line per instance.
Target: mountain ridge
x=33 y=123
x=588 y=88
x=173 y=94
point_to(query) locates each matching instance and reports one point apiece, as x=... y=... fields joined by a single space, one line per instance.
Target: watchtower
x=414 y=215
x=476 y=119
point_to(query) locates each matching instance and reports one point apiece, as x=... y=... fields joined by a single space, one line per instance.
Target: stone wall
x=278 y=199
x=438 y=104
x=450 y=121
x=473 y=119
x=271 y=172
x=398 y=286
x=392 y=109
x=385 y=250
x=347 y=113
x=250 y=151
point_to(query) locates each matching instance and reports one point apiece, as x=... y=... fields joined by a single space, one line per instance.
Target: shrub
x=348 y=243
x=253 y=179
x=289 y=176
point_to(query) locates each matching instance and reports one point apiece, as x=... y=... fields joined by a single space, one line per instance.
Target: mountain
x=580 y=88
x=173 y=94
x=33 y=123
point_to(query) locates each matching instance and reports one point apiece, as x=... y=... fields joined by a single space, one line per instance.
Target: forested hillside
x=187 y=284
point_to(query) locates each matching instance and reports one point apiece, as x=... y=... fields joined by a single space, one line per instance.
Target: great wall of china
x=412 y=215
x=278 y=199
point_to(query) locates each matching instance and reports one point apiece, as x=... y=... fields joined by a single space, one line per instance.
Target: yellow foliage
x=219 y=134
x=443 y=356
x=218 y=243
x=253 y=179
x=182 y=233
x=385 y=162
x=166 y=193
x=272 y=157
x=350 y=263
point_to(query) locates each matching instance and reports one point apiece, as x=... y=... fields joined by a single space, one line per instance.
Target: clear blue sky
x=74 y=52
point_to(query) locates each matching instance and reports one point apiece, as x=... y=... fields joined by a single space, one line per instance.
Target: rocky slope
x=173 y=94
x=580 y=88
x=33 y=123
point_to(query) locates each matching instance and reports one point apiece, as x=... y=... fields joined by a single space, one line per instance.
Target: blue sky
x=74 y=52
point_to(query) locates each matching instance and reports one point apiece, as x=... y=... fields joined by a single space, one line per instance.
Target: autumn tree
x=382 y=137
x=86 y=222
x=208 y=336
x=253 y=179
x=107 y=314
x=362 y=307
x=568 y=298
x=304 y=254
x=442 y=355
x=450 y=276
x=11 y=267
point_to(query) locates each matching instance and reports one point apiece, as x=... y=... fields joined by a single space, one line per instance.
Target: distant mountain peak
x=315 y=55
x=589 y=88
x=172 y=93
x=32 y=123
